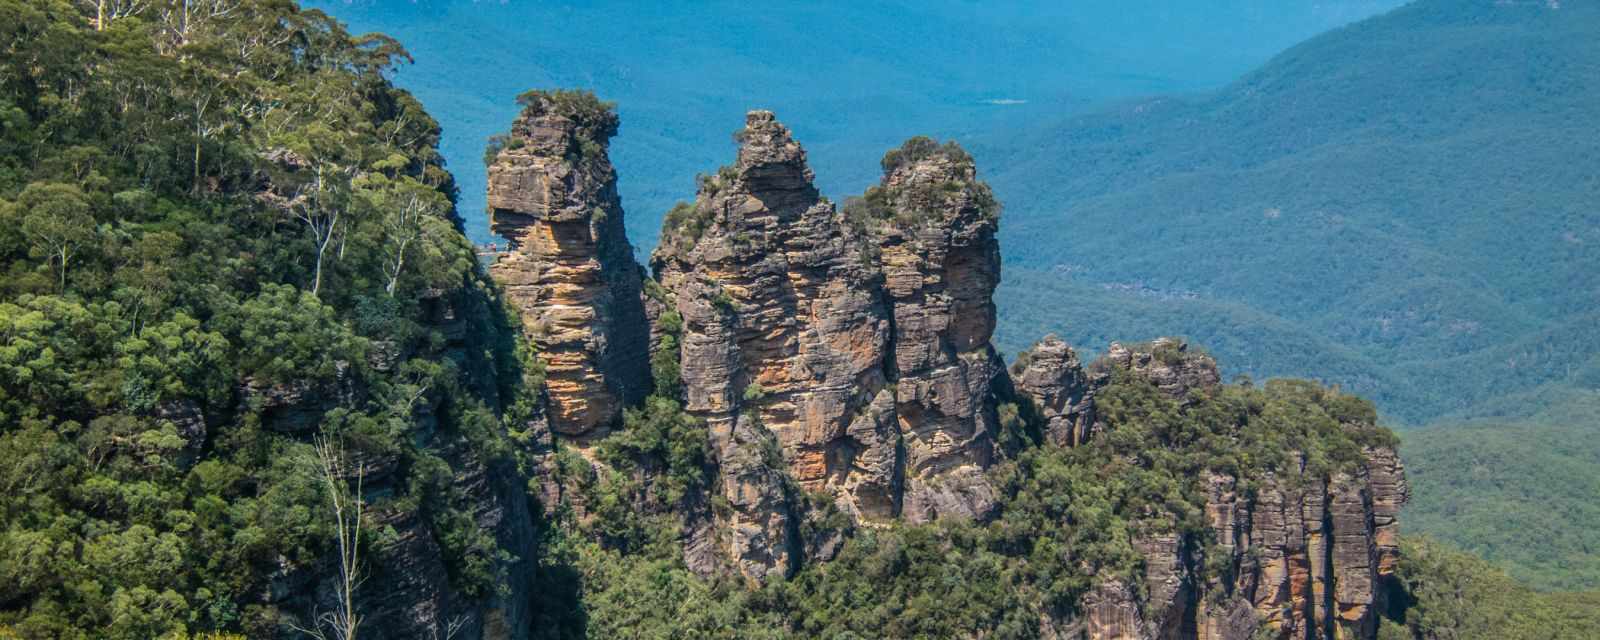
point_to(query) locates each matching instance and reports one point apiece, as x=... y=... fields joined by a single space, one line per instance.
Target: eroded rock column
x=570 y=271
x=936 y=226
x=784 y=332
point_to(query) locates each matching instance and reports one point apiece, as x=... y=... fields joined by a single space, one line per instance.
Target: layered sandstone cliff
x=1298 y=555
x=782 y=345
x=857 y=340
x=569 y=270
x=841 y=358
x=941 y=264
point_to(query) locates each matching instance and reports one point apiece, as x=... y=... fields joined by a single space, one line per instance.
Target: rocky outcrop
x=784 y=332
x=1052 y=379
x=1298 y=555
x=842 y=357
x=859 y=339
x=1165 y=362
x=941 y=264
x=569 y=270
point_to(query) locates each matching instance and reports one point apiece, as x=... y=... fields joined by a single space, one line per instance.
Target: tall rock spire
x=570 y=271
x=856 y=342
x=936 y=225
x=784 y=339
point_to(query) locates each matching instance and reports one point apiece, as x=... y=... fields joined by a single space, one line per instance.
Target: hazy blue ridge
x=852 y=79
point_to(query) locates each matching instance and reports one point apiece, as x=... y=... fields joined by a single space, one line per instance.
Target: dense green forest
x=208 y=210
x=1521 y=496
x=204 y=208
x=1457 y=595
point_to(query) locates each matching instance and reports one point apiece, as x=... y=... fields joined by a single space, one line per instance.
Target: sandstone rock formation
x=570 y=270
x=1062 y=393
x=858 y=339
x=941 y=264
x=843 y=356
x=784 y=332
x=1167 y=363
x=1301 y=556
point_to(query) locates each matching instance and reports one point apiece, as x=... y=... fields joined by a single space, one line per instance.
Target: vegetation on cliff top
x=204 y=214
x=1068 y=521
x=916 y=204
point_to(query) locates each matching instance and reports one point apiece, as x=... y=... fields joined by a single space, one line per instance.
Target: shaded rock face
x=1301 y=556
x=941 y=264
x=860 y=343
x=783 y=342
x=1062 y=393
x=570 y=270
x=408 y=592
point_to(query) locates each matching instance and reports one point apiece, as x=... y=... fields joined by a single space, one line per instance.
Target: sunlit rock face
x=941 y=264
x=569 y=270
x=784 y=335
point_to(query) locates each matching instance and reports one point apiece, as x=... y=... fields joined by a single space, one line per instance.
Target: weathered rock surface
x=1062 y=392
x=570 y=270
x=846 y=353
x=941 y=264
x=860 y=341
x=1166 y=363
x=784 y=332
x=1307 y=556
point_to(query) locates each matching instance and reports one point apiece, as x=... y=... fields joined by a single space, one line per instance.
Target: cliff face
x=782 y=347
x=941 y=265
x=569 y=270
x=842 y=356
x=1303 y=556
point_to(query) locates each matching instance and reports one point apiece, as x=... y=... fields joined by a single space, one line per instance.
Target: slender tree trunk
x=322 y=250
x=394 y=278
x=347 y=508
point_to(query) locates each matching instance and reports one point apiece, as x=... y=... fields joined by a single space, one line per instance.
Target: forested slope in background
x=1406 y=206
x=853 y=79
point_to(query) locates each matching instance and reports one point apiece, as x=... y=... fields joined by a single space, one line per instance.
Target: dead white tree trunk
x=343 y=622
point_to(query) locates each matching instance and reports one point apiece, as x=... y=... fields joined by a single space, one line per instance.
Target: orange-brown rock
x=1299 y=555
x=941 y=264
x=1050 y=376
x=858 y=339
x=784 y=332
x=569 y=270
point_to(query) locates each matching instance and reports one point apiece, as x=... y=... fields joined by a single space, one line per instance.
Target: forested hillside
x=1519 y=495
x=236 y=310
x=1405 y=206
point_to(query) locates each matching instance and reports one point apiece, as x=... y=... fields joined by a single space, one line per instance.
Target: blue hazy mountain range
x=853 y=79
x=1404 y=205
x=1408 y=206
